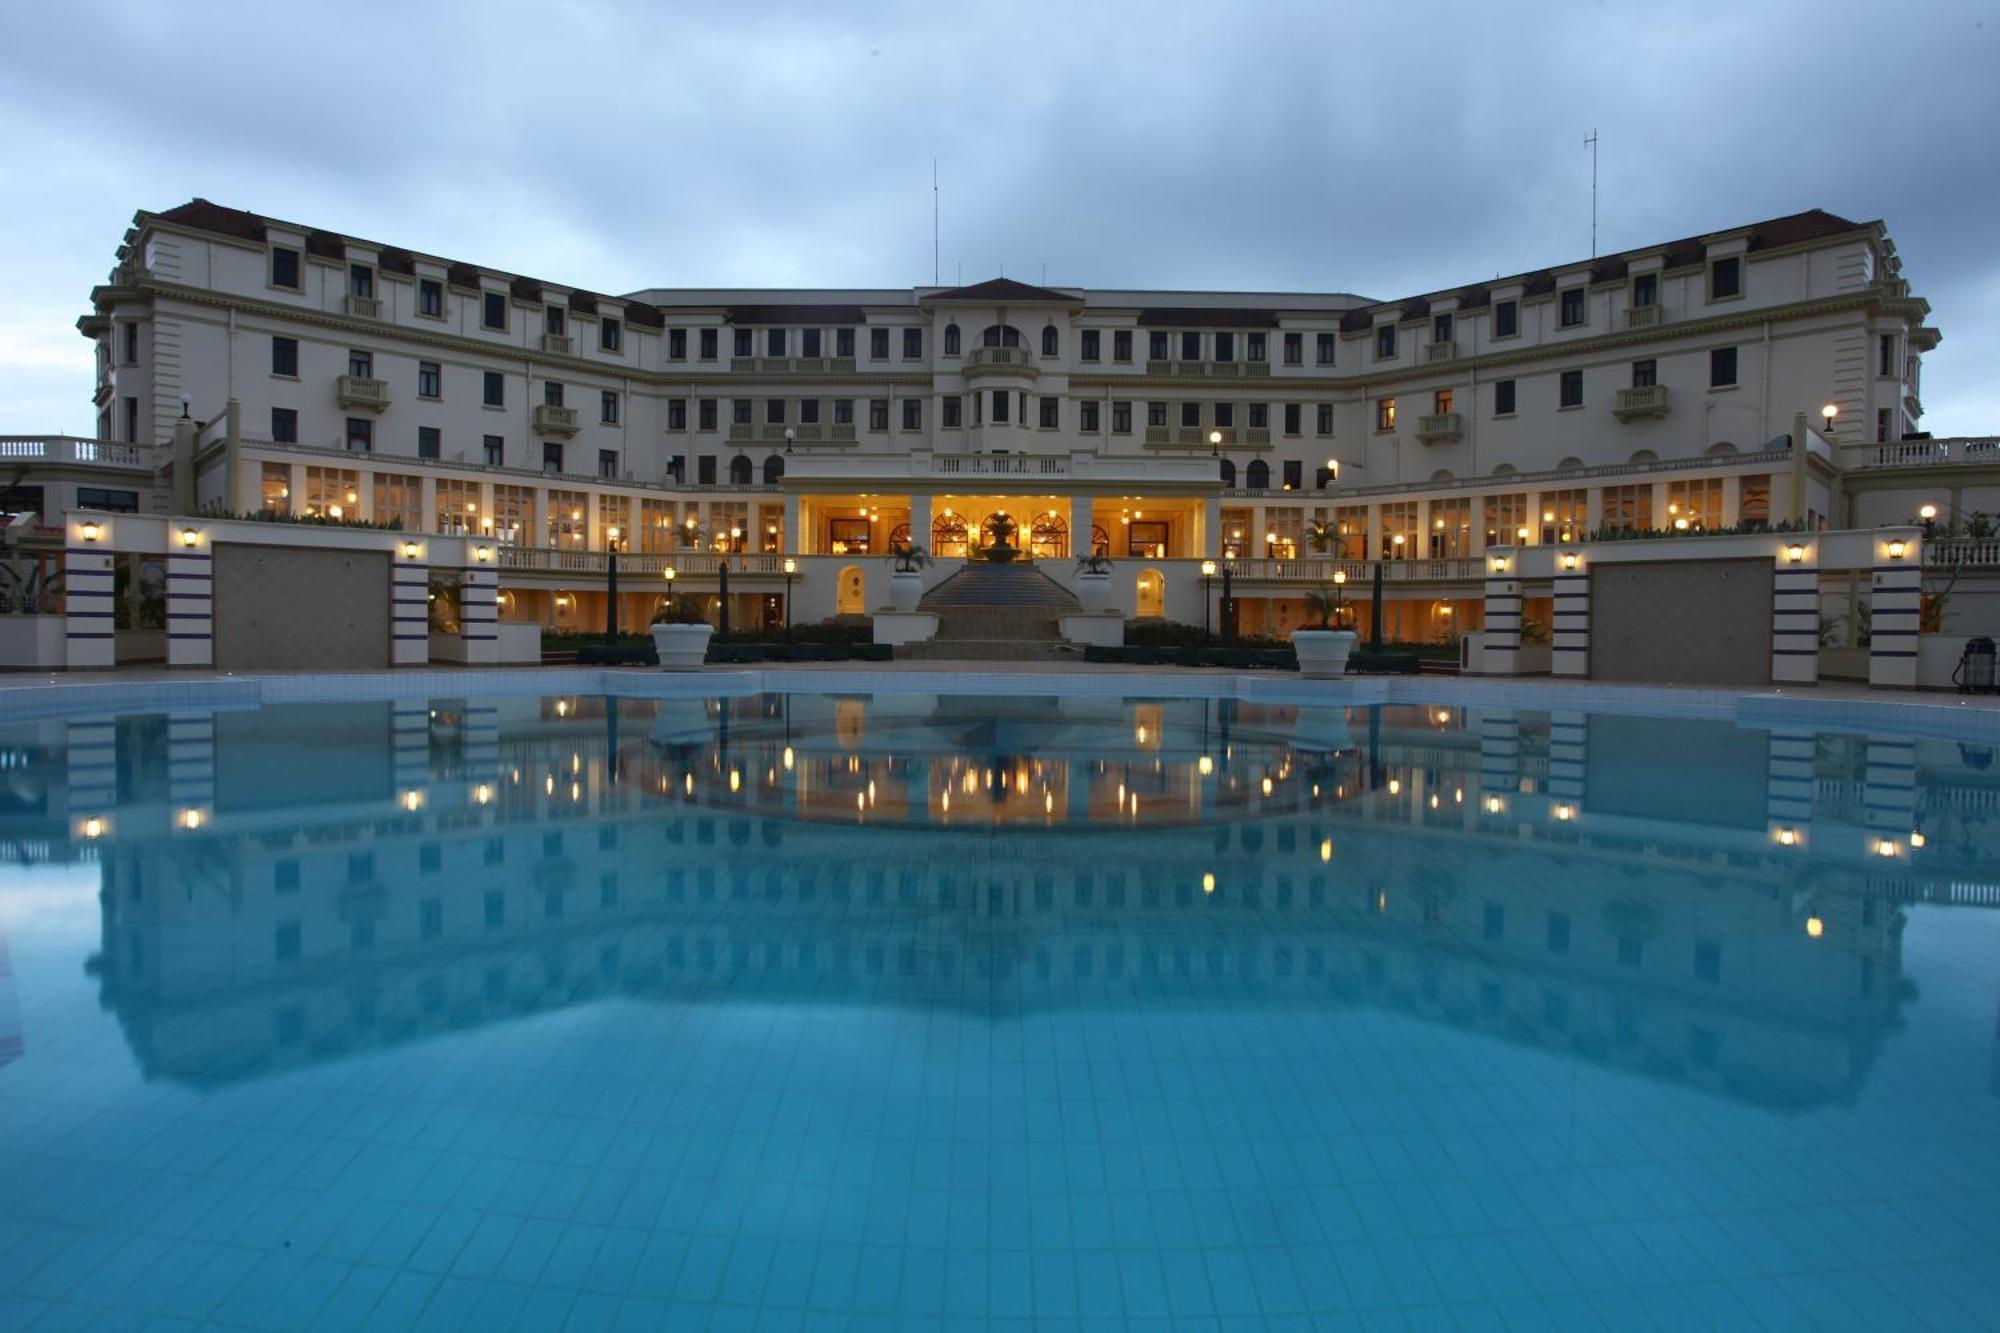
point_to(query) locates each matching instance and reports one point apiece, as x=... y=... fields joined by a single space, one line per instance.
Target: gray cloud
x=1377 y=149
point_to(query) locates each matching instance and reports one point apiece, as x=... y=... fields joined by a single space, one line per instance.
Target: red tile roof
x=1004 y=289
x=201 y=215
x=326 y=244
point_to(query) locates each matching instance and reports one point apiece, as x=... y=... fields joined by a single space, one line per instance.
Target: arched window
x=1504 y=470
x=951 y=340
x=740 y=470
x=774 y=469
x=1442 y=474
x=899 y=536
x=948 y=536
x=1100 y=541
x=1258 y=475
x=1228 y=470
x=1048 y=538
x=1720 y=449
x=1570 y=464
x=1001 y=335
x=1644 y=456
x=1049 y=340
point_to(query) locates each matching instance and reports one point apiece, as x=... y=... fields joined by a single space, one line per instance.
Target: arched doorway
x=1228 y=470
x=739 y=470
x=1258 y=475
x=774 y=469
x=851 y=592
x=1048 y=538
x=1150 y=594
x=948 y=537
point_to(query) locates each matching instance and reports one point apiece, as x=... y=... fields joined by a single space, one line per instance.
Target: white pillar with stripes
x=190 y=600
x=1889 y=797
x=409 y=606
x=1894 y=603
x=191 y=768
x=410 y=743
x=1569 y=650
x=1499 y=755
x=91 y=769
x=1788 y=784
x=479 y=607
x=88 y=583
x=1569 y=735
x=1795 y=614
x=1503 y=611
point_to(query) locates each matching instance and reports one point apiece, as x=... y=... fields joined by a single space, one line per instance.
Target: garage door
x=284 y=609
x=1685 y=622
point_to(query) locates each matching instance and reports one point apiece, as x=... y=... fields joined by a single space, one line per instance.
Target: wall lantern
x=410 y=550
x=1569 y=559
x=1796 y=552
x=1896 y=549
x=89 y=530
x=482 y=553
x=190 y=537
x=1499 y=564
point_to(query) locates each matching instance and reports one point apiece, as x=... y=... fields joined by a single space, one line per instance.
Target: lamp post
x=790 y=435
x=1339 y=594
x=1826 y=416
x=1207 y=586
x=1215 y=444
x=791 y=568
x=1228 y=605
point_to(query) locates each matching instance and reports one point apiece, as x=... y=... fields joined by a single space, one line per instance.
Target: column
x=1568 y=745
x=1082 y=514
x=479 y=606
x=482 y=736
x=410 y=744
x=1889 y=797
x=409 y=607
x=91 y=764
x=426 y=503
x=1893 y=606
x=920 y=520
x=1499 y=752
x=1569 y=648
x=87 y=600
x=1788 y=783
x=1503 y=612
x=191 y=768
x=793 y=531
x=1210 y=545
x=1795 y=616
x=538 y=530
x=1374 y=532
x=190 y=601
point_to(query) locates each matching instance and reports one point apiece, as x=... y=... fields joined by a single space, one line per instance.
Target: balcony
x=355 y=391
x=1438 y=427
x=1158 y=436
x=999 y=358
x=552 y=420
x=1644 y=316
x=364 y=307
x=806 y=433
x=791 y=365
x=70 y=449
x=1001 y=465
x=1647 y=400
x=1258 y=437
x=1963 y=450
x=1441 y=352
x=559 y=343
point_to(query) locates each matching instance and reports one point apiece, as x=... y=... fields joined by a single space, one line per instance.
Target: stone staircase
x=994 y=613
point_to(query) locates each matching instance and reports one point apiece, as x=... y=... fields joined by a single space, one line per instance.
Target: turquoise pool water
x=905 y=1011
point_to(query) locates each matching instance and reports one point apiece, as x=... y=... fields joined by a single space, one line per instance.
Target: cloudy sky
x=1382 y=149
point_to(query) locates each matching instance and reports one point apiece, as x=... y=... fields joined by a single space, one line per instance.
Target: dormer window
x=1441 y=329
x=1645 y=291
x=493 y=311
x=610 y=334
x=1385 y=342
x=361 y=281
x=1506 y=318
x=1725 y=278
x=285 y=267
x=556 y=321
x=1572 y=308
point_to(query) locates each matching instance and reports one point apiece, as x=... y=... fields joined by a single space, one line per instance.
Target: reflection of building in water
x=1434 y=874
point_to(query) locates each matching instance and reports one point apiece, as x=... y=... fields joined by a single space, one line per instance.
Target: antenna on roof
x=1591 y=144
x=1045 y=273
x=934 y=223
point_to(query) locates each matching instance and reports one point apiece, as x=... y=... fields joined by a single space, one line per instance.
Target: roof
x=1217 y=318
x=1004 y=289
x=326 y=244
x=795 y=314
x=201 y=215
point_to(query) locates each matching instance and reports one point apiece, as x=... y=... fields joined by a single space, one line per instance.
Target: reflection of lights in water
x=1139 y=733
x=575 y=791
x=93 y=827
x=1884 y=847
x=790 y=759
x=1787 y=837
x=1048 y=803
x=517 y=777
x=1267 y=786
x=1916 y=839
x=576 y=763
x=1564 y=813
x=1381 y=901
x=482 y=794
x=1434 y=800
x=413 y=800
x=1208 y=882
x=860 y=801
x=1815 y=927
x=688 y=784
x=946 y=801
x=191 y=818
x=549 y=785
x=1458 y=796
x=1205 y=765
x=562 y=708
x=1395 y=786
x=735 y=780
x=1494 y=805
x=1326 y=849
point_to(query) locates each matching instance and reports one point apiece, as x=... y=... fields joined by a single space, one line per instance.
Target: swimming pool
x=886 y=1009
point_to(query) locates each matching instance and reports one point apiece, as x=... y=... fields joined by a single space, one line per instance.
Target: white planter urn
x=1093 y=593
x=681 y=647
x=1323 y=652
x=906 y=589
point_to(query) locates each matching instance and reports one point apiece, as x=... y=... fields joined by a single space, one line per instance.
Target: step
x=999 y=585
x=984 y=650
x=997 y=622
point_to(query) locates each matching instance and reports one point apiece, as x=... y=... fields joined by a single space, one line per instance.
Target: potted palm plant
x=680 y=634
x=1323 y=649
x=906 y=580
x=1093 y=582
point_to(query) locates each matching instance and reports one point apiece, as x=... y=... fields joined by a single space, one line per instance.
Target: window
x=1293 y=415
x=495 y=449
x=1157 y=346
x=610 y=334
x=1563 y=515
x=1092 y=344
x=607 y=407
x=1645 y=290
x=1725 y=278
x=1645 y=374
x=1503 y=398
x=361 y=281
x=1256 y=347
x=493 y=311
x=607 y=464
x=1050 y=414
x=1121 y=345
x=131 y=419
x=711 y=341
x=1721 y=367
x=1190 y=414
x=1088 y=416
x=1506 y=518
x=361 y=365
x=130 y=329
x=430 y=442
x=913 y=414
x=1882 y=423
x=1506 y=319
x=774 y=342
x=360 y=435
x=430 y=380
x=1441 y=402
x=746 y=342
x=1385 y=342
x=1572 y=307
x=1260 y=416
x=952 y=408
x=677 y=414
x=494 y=389
x=1885 y=357
x=843 y=342
x=952 y=341
x=1294 y=474
x=705 y=414
x=1753 y=499
x=1571 y=392
x=284 y=267
x=913 y=344
x=430 y=298
x=774 y=411
x=843 y=411
x=677 y=344
x=1051 y=340
x=1323 y=346
x=1225 y=347
x=552 y=456
x=809 y=411
x=1627 y=507
x=1000 y=400
x=285 y=425
x=552 y=393
x=1385 y=414
x=878 y=414
x=1441 y=328
x=1190 y=347
x=809 y=342
x=1225 y=415
x=1156 y=414
x=739 y=411
x=878 y=344
x=1695 y=504
x=704 y=470
x=1295 y=349
x=1121 y=418
x=285 y=356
